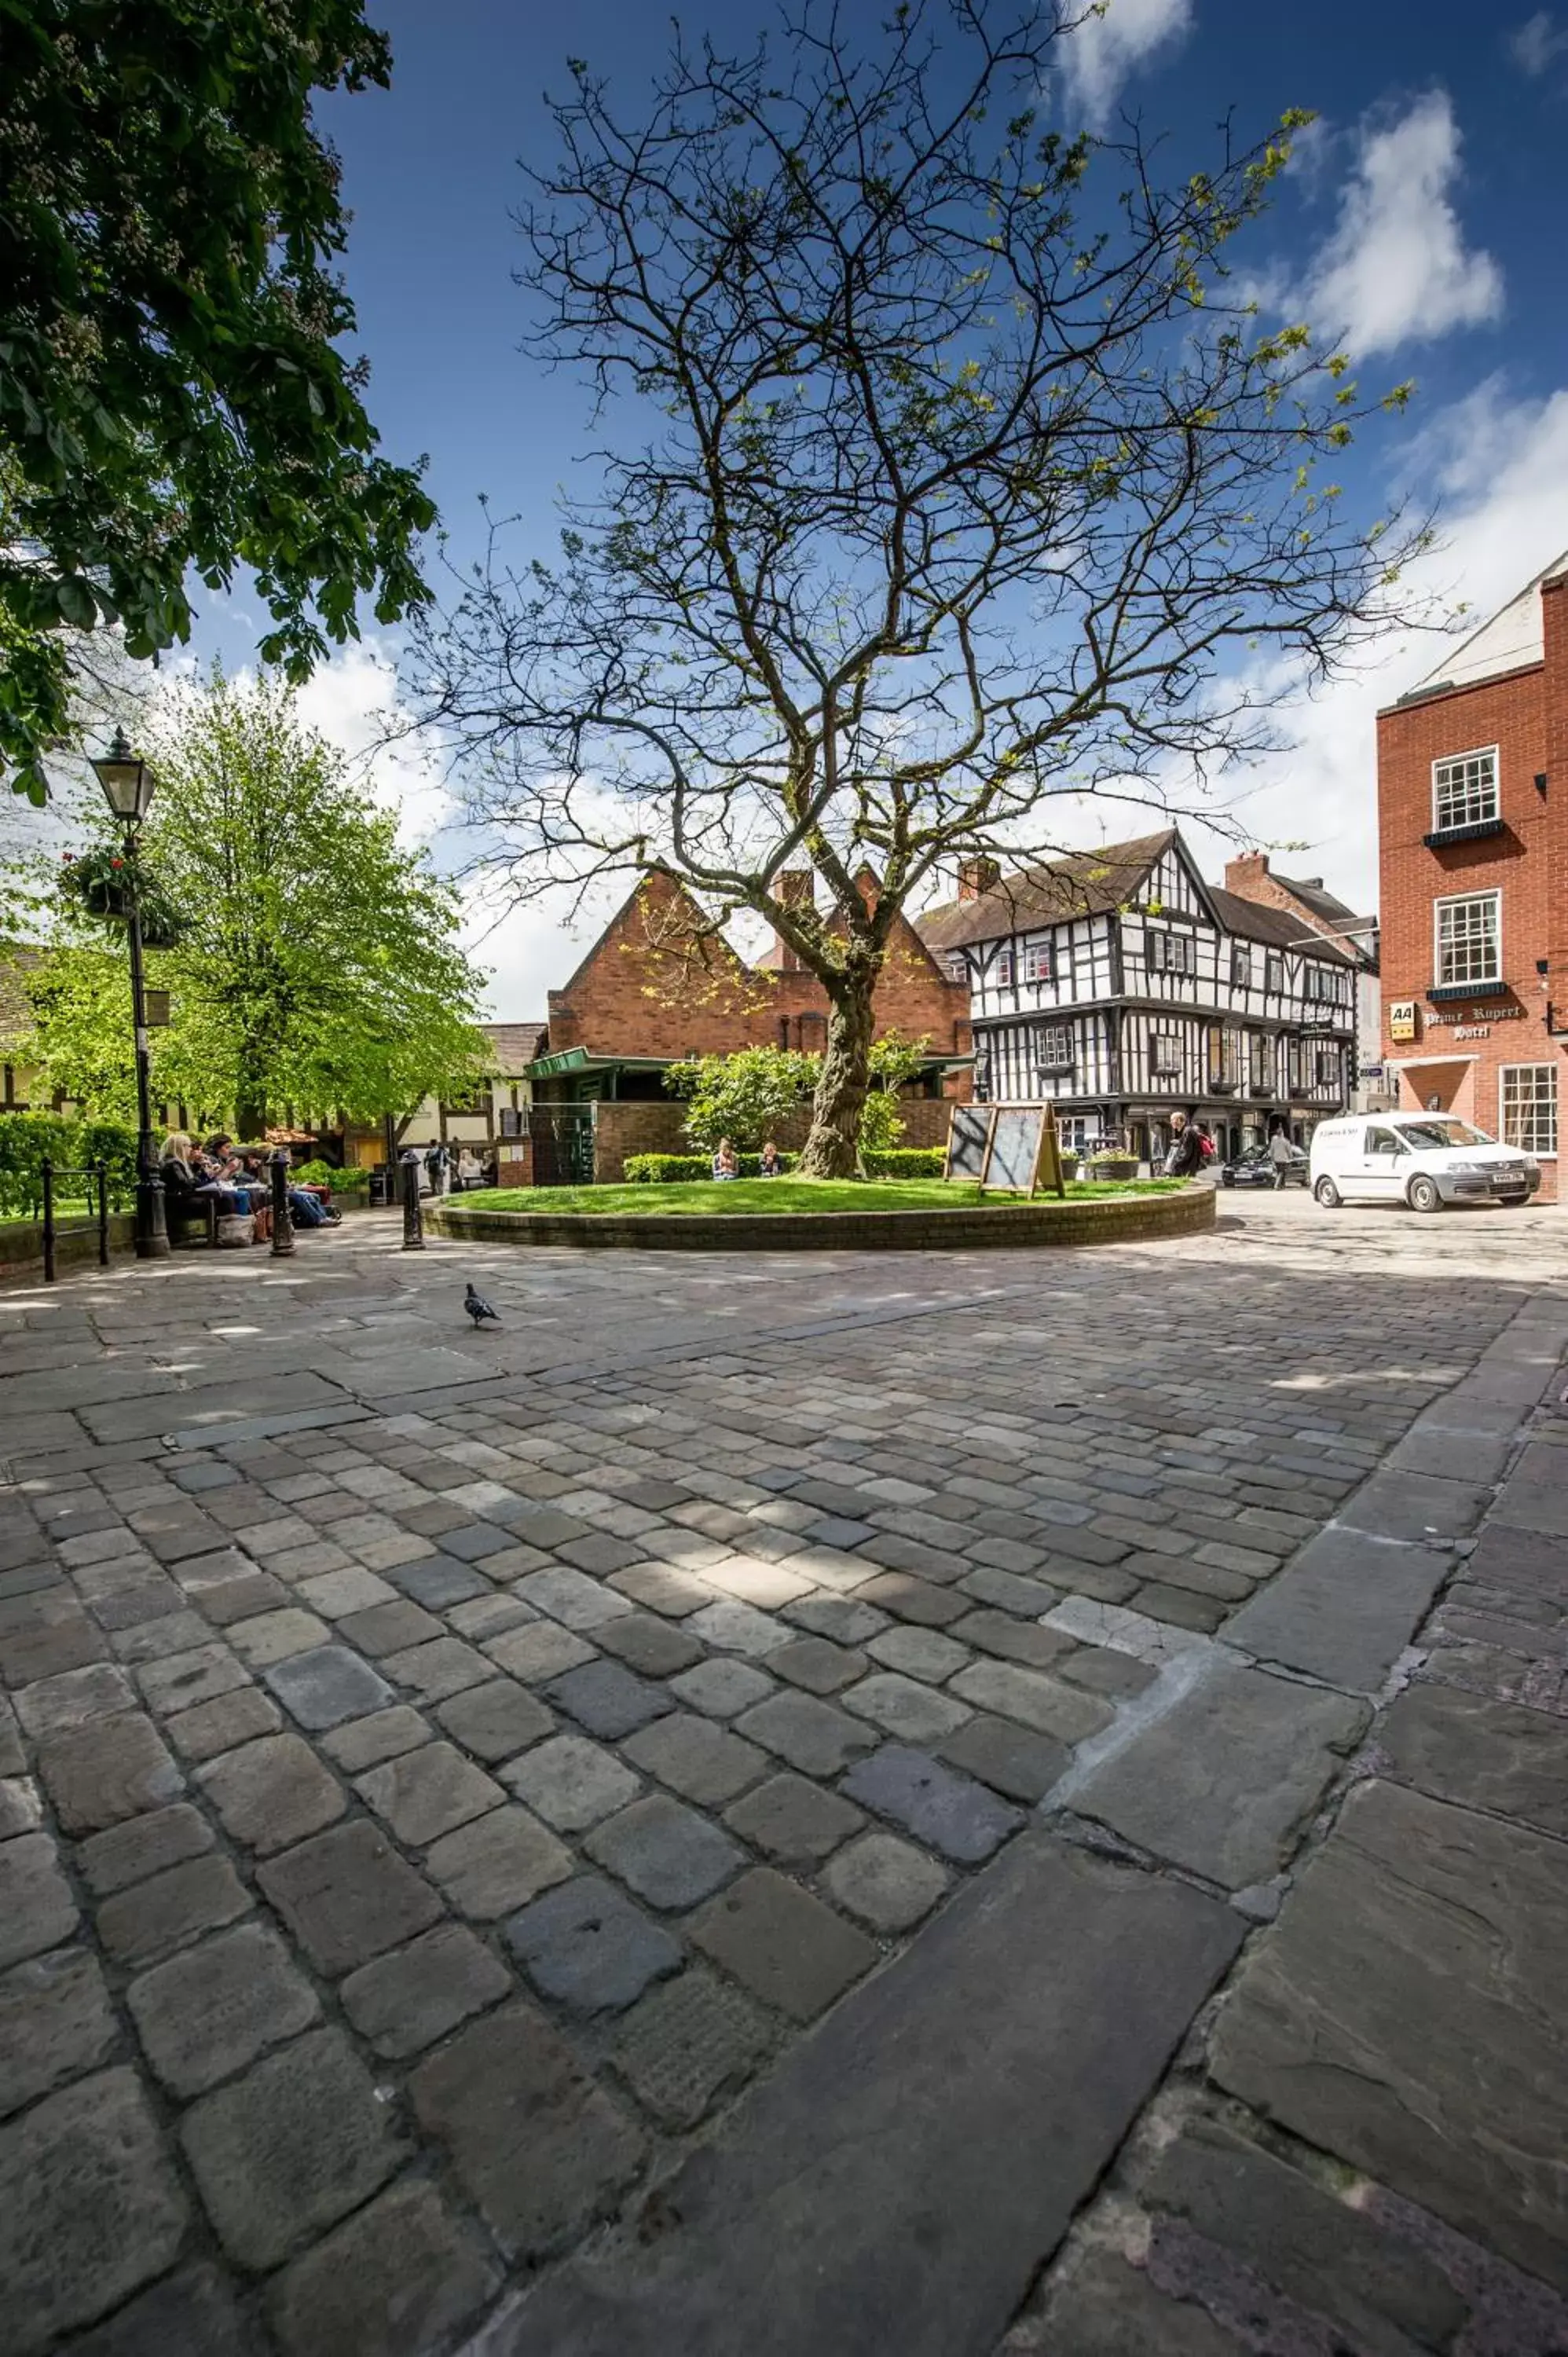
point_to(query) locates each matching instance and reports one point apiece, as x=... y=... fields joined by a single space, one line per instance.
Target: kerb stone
x=1001 y=2060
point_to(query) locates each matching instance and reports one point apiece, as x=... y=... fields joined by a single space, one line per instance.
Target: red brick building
x=1473 y=808
x=657 y=988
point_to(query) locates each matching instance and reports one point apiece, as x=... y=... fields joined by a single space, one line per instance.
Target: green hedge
x=674 y=1169
x=29 y=1139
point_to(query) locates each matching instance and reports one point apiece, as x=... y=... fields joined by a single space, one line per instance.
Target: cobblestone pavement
x=441 y=1772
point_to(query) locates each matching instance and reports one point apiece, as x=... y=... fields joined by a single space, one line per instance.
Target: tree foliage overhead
x=173 y=395
x=316 y=965
x=943 y=475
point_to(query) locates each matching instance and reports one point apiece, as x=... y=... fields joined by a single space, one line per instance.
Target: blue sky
x=1422 y=217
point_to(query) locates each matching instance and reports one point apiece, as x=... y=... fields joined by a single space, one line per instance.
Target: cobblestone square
x=420 y=1829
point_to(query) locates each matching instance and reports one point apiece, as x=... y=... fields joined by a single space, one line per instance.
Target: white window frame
x=1163 y=1045
x=1551 y=1100
x=1466 y=899
x=1468 y=792
x=1045 y=1062
x=1162 y=939
x=1039 y=962
x=1240 y=967
x=1003 y=976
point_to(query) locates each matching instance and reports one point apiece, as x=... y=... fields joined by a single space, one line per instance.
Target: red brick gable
x=658 y=982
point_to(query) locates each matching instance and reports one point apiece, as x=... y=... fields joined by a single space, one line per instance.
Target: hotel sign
x=1402 y=1019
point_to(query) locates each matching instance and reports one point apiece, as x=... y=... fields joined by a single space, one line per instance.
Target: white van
x=1425 y=1159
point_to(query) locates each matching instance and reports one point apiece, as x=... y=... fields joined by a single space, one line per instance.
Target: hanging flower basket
x=106 y=883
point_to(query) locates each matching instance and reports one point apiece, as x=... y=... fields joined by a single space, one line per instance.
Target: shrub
x=326 y=1174
x=674 y=1169
x=115 y=1145
x=29 y=1139
x=906 y=1162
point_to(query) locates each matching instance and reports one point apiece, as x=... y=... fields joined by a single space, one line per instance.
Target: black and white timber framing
x=1123 y=988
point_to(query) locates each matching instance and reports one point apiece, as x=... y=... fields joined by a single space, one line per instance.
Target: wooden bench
x=183 y=1218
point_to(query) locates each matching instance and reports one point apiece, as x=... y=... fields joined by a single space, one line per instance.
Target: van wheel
x=1327 y=1194
x=1424 y=1195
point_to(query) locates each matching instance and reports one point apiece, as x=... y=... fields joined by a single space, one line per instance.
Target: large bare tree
x=941 y=474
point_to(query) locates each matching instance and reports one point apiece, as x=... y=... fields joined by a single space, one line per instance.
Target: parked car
x=1255 y=1168
x=1424 y=1160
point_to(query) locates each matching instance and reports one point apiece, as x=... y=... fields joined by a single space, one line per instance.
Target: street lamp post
x=128 y=786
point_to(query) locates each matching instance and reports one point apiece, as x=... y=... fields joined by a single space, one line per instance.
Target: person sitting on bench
x=186 y=1182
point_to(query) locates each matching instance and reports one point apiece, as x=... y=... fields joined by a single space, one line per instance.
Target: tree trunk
x=833 y=1144
x=251 y=1099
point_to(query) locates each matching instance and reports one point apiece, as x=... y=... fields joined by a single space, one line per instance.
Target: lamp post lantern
x=128 y=787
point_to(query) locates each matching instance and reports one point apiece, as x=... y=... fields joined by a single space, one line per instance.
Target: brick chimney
x=977 y=876
x=1244 y=874
x=797 y=888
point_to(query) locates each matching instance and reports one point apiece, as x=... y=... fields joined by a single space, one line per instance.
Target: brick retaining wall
x=1128 y=1218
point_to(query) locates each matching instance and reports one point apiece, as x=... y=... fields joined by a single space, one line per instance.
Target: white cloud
x=1102 y=50
x=1537 y=42
x=1396 y=269
x=353 y=701
x=1500 y=469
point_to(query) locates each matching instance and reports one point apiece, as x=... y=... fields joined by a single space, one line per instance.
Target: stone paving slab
x=1225 y=1783
x=1442 y=2075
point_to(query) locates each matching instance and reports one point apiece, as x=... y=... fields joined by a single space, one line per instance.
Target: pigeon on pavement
x=477 y=1308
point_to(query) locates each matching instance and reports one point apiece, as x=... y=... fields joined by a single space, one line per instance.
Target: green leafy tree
x=316 y=963
x=742 y=1096
x=174 y=396
x=745 y=1096
x=946 y=477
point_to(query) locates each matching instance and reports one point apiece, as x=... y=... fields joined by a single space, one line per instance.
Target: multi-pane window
x=1464 y=788
x=1258 y=1060
x=1469 y=937
x=1054 y=1047
x=1241 y=968
x=1327 y=1068
x=1230 y=1050
x=1327 y=984
x=1164 y=1056
x=1036 y=961
x=1172 y=953
x=1274 y=974
x=957 y=966
x=1530 y=1107
x=1004 y=974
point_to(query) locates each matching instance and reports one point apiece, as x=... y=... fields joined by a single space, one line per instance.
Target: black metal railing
x=94 y=1195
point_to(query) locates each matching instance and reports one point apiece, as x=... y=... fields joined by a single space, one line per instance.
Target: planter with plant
x=1114 y=1165
x=106 y=883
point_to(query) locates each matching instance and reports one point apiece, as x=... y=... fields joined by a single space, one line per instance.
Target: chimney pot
x=977 y=876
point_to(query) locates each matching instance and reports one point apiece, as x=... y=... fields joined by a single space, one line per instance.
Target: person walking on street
x=1280 y=1154
x=1185 y=1156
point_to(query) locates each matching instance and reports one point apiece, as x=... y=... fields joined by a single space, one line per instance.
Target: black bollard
x=283 y=1218
x=413 y=1211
